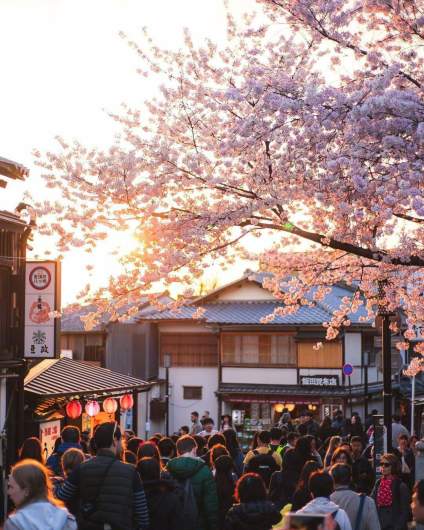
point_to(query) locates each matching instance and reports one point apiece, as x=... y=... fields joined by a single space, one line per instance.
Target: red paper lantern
x=92 y=408
x=110 y=405
x=74 y=409
x=126 y=402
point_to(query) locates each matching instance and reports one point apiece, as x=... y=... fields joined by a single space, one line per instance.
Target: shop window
x=190 y=349
x=192 y=392
x=330 y=355
x=258 y=349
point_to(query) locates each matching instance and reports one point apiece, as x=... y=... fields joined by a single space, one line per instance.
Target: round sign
x=347 y=369
x=40 y=278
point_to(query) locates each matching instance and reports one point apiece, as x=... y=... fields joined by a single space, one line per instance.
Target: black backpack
x=263 y=464
x=185 y=492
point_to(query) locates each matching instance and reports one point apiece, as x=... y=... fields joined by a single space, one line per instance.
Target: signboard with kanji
x=49 y=432
x=41 y=303
x=319 y=380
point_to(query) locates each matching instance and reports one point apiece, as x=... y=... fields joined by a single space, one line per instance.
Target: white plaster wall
x=184 y=328
x=179 y=408
x=261 y=376
x=246 y=291
x=353 y=354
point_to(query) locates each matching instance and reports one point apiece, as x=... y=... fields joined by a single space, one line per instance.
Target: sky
x=63 y=63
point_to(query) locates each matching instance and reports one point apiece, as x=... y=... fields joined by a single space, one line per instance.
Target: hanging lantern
x=279 y=407
x=290 y=407
x=110 y=405
x=74 y=409
x=92 y=408
x=126 y=402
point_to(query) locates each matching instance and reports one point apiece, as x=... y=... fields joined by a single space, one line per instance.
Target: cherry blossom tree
x=308 y=124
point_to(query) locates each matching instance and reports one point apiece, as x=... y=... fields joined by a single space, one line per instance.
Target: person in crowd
x=184 y=430
x=208 y=427
x=110 y=491
x=370 y=419
x=30 y=490
x=283 y=483
x=397 y=430
x=31 y=448
x=129 y=457
x=292 y=438
x=202 y=447
x=217 y=451
x=188 y=467
x=363 y=475
x=196 y=426
x=275 y=444
x=413 y=443
x=285 y=421
x=85 y=438
x=298 y=456
x=310 y=424
x=302 y=495
x=263 y=460
x=226 y=422
x=167 y=449
x=321 y=486
x=254 y=442
x=70 y=438
x=391 y=495
x=148 y=449
x=342 y=455
x=71 y=459
x=356 y=428
x=325 y=430
x=314 y=449
x=334 y=443
x=360 y=508
x=253 y=510
x=214 y=439
x=233 y=447
x=338 y=424
x=225 y=480
x=155 y=438
x=417 y=504
x=206 y=416
x=134 y=443
x=165 y=506
x=407 y=459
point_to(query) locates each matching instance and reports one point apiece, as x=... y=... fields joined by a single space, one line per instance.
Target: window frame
x=191 y=387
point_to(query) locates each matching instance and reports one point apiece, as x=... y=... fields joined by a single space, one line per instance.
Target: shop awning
x=54 y=378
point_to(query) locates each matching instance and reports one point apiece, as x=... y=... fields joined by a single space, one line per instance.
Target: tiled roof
x=61 y=377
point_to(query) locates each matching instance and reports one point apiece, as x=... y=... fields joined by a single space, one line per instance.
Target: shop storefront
x=61 y=392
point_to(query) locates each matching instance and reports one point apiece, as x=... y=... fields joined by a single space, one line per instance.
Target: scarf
x=384 y=494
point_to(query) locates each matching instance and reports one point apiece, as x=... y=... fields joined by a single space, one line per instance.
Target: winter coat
x=281 y=488
x=41 y=515
x=204 y=488
x=238 y=459
x=324 y=505
x=261 y=515
x=165 y=506
x=396 y=516
x=349 y=500
x=54 y=460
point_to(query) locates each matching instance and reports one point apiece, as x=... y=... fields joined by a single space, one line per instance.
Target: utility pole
x=167 y=364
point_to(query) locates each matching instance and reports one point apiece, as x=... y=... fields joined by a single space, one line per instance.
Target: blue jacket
x=53 y=462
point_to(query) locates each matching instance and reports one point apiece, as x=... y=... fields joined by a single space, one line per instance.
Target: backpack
x=189 y=504
x=263 y=464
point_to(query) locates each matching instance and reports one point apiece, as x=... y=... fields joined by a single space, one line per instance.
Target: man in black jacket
x=110 y=492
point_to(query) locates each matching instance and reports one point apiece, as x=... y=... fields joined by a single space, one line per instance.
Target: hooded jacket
x=324 y=505
x=204 y=488
x=260 y=515
x=41 y=515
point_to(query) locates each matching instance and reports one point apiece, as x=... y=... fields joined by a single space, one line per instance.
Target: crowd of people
x=200 y=479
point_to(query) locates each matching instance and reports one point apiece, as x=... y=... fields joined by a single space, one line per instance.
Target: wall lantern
x=126 y=402
x=279 y=407
x=74 y=409
x=110 y=405
x=92 y=408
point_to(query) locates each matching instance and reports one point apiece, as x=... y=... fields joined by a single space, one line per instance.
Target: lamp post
x=167 y=365
x=365 y=364
x=386 y=337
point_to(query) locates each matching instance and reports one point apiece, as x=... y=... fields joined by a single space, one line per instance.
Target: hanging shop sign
x=49 y=432
x=319 y=380
x=42 y=300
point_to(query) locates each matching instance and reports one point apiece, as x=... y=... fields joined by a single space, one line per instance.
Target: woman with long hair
x=217 y=451
x=391 y=495
x=342 y=456
x=31 y=448
x=233 y=447
x=225 y=480
x=30 y=489
x=253 y=509
x=335 y=441
x=302 y=495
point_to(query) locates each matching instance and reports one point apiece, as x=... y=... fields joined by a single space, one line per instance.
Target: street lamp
x=167 y=365
x=386 y=339
x=365 y=364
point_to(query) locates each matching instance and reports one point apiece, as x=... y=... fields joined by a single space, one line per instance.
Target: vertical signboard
x=49 y=432
x=42 y=299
